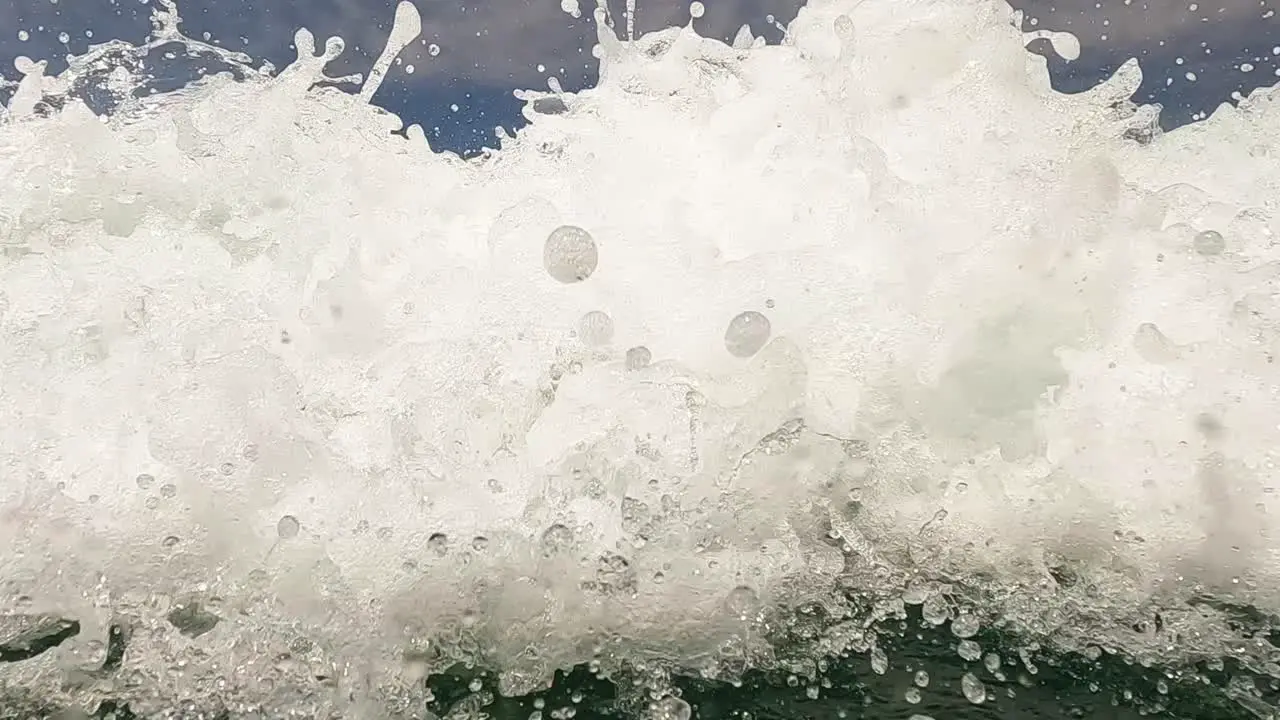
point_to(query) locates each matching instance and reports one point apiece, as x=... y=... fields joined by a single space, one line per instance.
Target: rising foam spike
x=404 y=30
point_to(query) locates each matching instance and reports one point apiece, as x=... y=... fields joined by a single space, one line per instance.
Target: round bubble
x=596 y=328
x=639 y=358
x=570 y=254
x=287 y=527
x=1209 y=242
x=747 y=334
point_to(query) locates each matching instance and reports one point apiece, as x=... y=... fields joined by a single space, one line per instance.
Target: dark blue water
x=488 y=49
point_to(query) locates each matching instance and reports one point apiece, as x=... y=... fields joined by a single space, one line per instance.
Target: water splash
x=741 y=330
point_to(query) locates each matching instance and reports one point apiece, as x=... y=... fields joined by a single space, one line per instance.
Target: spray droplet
x=595 y=328
x=697 y=9
x=570 y=254
x=433 y=50
x=287 y=527
x=964 y=626
x=639 y=358
x=742 y=601
x=973 y=689
x=1209 y=242
x=672 y=708
x=556 y=539
x=747 y=334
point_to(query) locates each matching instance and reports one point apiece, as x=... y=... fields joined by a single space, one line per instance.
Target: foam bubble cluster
x=873 y=313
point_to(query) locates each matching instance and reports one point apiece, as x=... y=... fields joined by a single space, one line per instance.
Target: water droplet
x=145 y=481
x=912 y=695
x=920 y=717
x=973 y=689
x=747 y=334
x=475 y=686
x=250 y=452
x=964 y=626
x=697 y=9
x=991 y=662
x=672 y=708
x=226 y=468
x=969 y=650
x=1209 y=242
x=433 y=50
x=595 y=328
x=570 y=254
x=742 y=601
x=921 y=678
x=557 y=539
x=935 y=610
x=168 y=490
x=438 y=543
x=639 y=358
x=287 y=527
x=879 y=661
x=170 y=541
x=479 y=543
x=152 y=502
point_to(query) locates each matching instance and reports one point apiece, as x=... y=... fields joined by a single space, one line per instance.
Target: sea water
x=871 y=324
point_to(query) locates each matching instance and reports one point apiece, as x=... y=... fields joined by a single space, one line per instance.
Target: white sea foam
x=870 y=312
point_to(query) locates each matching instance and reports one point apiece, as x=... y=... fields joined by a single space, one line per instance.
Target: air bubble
x=287 y=527
x=747 y=334
x=742 y=601
x=557 y=539
x=595 y=328
x=639 y=358
x=570 y=254
x=1209 y=242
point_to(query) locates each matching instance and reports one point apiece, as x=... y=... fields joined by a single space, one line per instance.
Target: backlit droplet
x=1209 y=242
x=747 y=334
x=595 y=328
x=287 y=527
x=672 y=708
x=973 y=689
x=570 y=254
x=964 y=626
x=639 y=358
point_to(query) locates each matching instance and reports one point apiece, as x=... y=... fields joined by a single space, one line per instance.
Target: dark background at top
x=490 y=47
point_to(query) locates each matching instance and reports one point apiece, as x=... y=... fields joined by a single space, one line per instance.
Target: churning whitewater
x=867 y=319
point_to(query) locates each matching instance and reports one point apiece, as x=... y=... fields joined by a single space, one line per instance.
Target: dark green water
x=1026 y=684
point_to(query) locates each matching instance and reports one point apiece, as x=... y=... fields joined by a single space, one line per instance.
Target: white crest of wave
x=873 y=312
